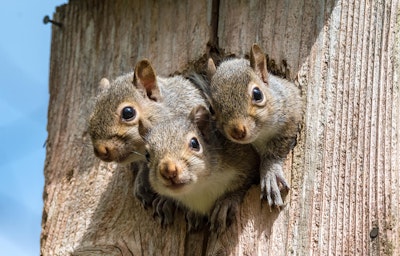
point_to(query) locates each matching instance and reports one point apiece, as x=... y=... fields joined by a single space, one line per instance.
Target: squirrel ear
x=211 y=69
x=201 y=117
x=258 y=62
x=104 y=84
x=144 y=79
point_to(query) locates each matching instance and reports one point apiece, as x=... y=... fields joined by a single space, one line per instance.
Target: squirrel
x=200 y=169
x=113 y=124
x=118 y=107
x=254 y=107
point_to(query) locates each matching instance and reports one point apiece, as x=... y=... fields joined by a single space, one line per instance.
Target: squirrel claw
x=270 y=188
x=224 y=212
x=141 y=188
x=145 y=196
x=194 y=221
x=164 y=210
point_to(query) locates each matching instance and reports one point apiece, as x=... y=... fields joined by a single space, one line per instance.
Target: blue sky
x=24 y=69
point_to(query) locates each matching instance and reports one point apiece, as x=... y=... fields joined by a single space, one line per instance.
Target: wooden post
x=344 y=172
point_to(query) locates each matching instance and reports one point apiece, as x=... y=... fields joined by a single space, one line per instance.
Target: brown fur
x=270 y=124
x=199 y=179
x=153 y=98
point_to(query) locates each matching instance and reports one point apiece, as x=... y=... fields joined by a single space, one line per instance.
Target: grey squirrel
x=198 y=167
x=141 y=95
x=254 y=107
x=114 y=122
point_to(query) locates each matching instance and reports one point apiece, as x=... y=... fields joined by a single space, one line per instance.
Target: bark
x=344 y=172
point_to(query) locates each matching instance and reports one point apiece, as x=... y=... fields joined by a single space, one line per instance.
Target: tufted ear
x=211 y=69
x=103 y=85
x=145 y=80
x=201 y=118
x=258 y=62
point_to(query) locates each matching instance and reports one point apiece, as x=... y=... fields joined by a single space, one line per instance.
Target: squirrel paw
x=224 y=213
x=142 y=190
x=164 y=210
x=195 y=221
x=145 y=195
x=269 y=185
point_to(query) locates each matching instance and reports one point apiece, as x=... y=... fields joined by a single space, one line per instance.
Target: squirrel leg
x=271 y=174
x=142 y=189
x=164 y=209
x=225 y=210
x=195 y=221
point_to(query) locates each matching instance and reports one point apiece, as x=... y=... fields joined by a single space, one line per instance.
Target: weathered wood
x=346 y=176
x=89 y=205
x=344 y=171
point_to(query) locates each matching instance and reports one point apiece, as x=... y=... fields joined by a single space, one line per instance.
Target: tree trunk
x=344 y=172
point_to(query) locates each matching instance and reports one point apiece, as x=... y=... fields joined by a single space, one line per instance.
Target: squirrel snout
x=238 y=132
x=170 y=171
x=103 y=152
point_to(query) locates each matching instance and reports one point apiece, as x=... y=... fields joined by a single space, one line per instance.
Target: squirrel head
x=119 y=106
x=241 y=97
x=178 y=162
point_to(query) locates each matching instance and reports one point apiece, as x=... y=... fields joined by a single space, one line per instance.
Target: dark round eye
x=194 y=144
x=128 y=113
x=147 y=156
x=257 y=94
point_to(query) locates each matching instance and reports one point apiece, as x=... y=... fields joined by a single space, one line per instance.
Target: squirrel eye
x=128 y=113
x=257 y=94
x=194 y=144
x=147 y=156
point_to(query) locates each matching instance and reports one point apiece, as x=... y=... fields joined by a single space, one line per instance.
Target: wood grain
x=89 y=206
x=344 y=172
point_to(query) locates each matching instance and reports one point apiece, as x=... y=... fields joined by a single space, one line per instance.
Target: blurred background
x=24 y=68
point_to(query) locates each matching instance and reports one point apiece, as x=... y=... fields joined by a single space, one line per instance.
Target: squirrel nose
x=169 y=171
x=102 y=152
x=238 y=132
